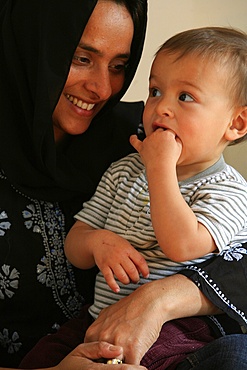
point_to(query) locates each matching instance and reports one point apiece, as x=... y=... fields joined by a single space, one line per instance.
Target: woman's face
x=98 y=68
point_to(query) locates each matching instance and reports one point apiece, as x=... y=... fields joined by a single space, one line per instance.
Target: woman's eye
x=81 y=60
x=118 y=68
x=154 y=93
x=185 y=97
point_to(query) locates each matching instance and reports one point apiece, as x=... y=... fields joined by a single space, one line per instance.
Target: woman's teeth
x=79 y=103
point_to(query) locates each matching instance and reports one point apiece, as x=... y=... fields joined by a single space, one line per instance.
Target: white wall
x=167 y=17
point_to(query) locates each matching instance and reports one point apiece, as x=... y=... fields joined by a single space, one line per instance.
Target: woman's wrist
x=177 y=296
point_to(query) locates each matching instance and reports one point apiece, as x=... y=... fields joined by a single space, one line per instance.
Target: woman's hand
x=135 y=321
x=81 y=358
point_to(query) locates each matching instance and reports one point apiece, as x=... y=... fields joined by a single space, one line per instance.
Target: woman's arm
x=135 y=321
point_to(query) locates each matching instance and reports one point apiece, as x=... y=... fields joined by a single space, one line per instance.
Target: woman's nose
x=100 y=84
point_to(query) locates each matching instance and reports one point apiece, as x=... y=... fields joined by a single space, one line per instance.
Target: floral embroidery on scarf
x=54 y=270
x=10 y=342
x=9 y=280
x=235 y=252
x=4 y=224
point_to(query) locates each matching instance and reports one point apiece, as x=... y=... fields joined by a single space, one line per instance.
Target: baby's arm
x=176 y=227
x=86 y=247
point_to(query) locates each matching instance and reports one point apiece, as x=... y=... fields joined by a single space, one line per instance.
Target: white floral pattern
x=54 y=271
x=4 y=223
x=42 y=225
x=235 y=252
x=10 y=341
x=9 y=280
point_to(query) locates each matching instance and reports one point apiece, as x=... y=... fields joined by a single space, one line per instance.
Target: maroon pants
x=177 y=339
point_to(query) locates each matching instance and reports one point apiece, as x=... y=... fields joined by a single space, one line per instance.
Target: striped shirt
x=217 y=196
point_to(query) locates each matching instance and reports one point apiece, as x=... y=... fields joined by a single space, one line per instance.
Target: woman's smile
x=79 y=103
x=97 y=71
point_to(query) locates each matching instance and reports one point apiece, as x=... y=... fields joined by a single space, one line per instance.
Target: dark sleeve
x=223 y=280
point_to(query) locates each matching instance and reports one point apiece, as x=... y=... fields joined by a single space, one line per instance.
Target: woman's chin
x=60 y=133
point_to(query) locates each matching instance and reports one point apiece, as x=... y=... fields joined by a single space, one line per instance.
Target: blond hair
x=226 y=46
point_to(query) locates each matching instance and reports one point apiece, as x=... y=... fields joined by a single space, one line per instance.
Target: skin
x=86 y=247
x=190 y=101
x=97 y=69
x=135 y=321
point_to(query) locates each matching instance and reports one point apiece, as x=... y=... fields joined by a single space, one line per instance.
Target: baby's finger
x=109 y=278
x=121 y=273
x=135 y=142
x=140 y=264
x=131 y=270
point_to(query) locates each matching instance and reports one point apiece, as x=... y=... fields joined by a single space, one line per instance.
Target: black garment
x=223 y=281
x=38 y=39
x=39 y=289
x=43 y=185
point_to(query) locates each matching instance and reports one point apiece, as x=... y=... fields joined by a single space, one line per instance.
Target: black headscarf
x=33 y=71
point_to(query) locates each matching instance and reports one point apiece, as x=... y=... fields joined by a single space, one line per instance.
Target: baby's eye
x=185 y=97
x=154 y=92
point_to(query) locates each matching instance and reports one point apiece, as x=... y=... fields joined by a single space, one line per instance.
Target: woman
x=51 y=160
x=50 y=165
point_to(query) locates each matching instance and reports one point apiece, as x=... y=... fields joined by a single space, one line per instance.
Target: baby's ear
x=238 y=126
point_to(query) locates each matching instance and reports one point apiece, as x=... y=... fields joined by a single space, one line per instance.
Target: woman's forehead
x=110 y=26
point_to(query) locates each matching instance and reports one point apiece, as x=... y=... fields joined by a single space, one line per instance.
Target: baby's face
x=189 y=97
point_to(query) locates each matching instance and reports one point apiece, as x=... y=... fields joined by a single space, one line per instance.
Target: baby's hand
x=118 y=258
x=160 y=145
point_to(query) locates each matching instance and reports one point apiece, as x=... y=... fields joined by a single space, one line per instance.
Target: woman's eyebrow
x=98 y=52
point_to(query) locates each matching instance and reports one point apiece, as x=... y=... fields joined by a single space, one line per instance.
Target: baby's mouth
x=79 y=103
x=156 y=127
